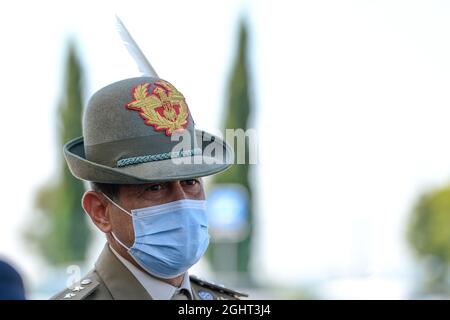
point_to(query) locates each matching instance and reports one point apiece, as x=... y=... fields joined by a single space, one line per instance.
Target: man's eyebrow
x=149 y=184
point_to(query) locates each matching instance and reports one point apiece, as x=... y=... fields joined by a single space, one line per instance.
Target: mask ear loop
x=118 y=206
x=120 y=242
x=112 y=233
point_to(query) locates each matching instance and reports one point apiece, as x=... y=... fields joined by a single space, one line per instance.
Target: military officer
x=146 y=193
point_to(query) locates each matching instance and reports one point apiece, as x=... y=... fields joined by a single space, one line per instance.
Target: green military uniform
x=111 y=280
x=128 y=138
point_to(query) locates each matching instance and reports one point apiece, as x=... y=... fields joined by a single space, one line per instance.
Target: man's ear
x=96 y=206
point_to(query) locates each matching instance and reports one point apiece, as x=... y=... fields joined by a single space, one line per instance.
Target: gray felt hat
x=130 y=131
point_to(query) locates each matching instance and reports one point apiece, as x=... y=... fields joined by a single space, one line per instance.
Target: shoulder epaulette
x=79 y=291
x=217 y=287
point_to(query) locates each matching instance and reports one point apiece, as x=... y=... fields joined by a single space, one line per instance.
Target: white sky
x=352 y=110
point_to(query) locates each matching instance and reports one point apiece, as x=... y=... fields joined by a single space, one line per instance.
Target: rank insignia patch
x=205 y=295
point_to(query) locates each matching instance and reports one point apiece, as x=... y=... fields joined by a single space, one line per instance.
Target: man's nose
x=177 y=191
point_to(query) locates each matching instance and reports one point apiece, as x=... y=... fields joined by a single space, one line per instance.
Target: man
x=146 y=193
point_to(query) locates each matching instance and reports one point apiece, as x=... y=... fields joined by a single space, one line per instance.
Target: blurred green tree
x=237 y=117
x=429 y=236
x=59 y=230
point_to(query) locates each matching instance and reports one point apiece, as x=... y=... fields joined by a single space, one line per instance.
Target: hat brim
x=163 y=170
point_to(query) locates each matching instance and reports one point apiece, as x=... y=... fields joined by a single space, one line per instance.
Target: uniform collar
x=119 y=281
x=157 y=289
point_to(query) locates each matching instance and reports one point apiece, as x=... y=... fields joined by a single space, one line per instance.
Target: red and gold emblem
x=164 y=109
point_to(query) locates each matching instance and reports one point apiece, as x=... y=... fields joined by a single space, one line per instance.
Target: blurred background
x=350 y=100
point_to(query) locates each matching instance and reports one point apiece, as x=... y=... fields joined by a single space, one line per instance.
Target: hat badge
x=165 y=108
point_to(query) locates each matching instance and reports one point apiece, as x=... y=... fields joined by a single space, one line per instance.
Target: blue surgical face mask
x=168 y=238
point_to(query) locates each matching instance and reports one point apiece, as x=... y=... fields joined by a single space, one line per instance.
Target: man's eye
x=191 y=182
x=154 y=187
